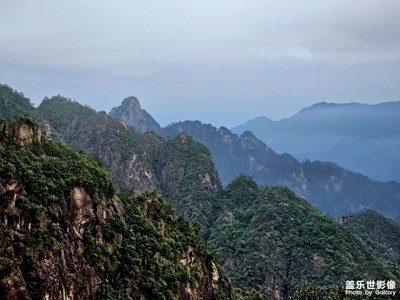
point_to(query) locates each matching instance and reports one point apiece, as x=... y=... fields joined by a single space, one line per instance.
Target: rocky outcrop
x=134 y=116
x=61 y=274
x=23 y=131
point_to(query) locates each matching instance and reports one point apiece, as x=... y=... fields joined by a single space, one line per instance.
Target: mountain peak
x=131 y=102
x=134 y=116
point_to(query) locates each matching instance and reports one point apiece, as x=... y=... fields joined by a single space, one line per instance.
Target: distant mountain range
x=359 y=137
x=325 y=185
x=332 y=189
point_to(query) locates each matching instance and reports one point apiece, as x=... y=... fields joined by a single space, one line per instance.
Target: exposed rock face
x=63 y=274
x=23 y=132
x=41 y=252
x=134 y=116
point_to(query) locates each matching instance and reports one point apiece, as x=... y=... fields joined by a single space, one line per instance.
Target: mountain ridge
x=363 y=138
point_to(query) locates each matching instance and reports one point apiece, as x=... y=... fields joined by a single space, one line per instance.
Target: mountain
x=186 y=175
x=359 y=137
x=134 y=116
x=375 y=228
x=180 y=168
x=64 y=234
x=268 y=239
x=245 y=154
x=325 y=185
x=13 y=103
x=274 y=241
x=97 y=133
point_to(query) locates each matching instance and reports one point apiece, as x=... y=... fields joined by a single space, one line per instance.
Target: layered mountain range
x=359 y=137
x=327 y=186
x=267 y=238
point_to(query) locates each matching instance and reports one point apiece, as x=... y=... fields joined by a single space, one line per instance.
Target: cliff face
x=53 y=268
x=134 y=116
x=41 y=229
x=64 y=234
x=23 y=131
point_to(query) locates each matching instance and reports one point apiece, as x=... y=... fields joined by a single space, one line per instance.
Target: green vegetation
x=140 y=250
x=97 y=133
x=188 y=178
x=247 y=294
x=154 y=241
x=13 y=103
x=268 y=239
x=330 y=188
x=274 y=241
x=376 y=230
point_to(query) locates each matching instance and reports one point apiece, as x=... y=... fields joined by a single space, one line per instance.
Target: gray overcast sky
x=222 y=62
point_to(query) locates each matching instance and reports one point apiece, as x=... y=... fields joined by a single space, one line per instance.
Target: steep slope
x=186 y=175
x=183 y=171
x=13 y=103
x=64 y=234
x=274 y=241
x=330 y=188
x=359 y=137
x=181 y=168
x=375 y=228
x=337 y=191
x=134 y=116
x=99 y=134
x=245 y=154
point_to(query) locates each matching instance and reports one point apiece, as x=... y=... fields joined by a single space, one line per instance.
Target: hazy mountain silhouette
x=359 y=137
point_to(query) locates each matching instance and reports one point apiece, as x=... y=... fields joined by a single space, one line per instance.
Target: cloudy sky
x=222 y=62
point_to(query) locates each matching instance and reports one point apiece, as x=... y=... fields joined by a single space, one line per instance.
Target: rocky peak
x=23 y=131
x=132 y=103
x=134 y=116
